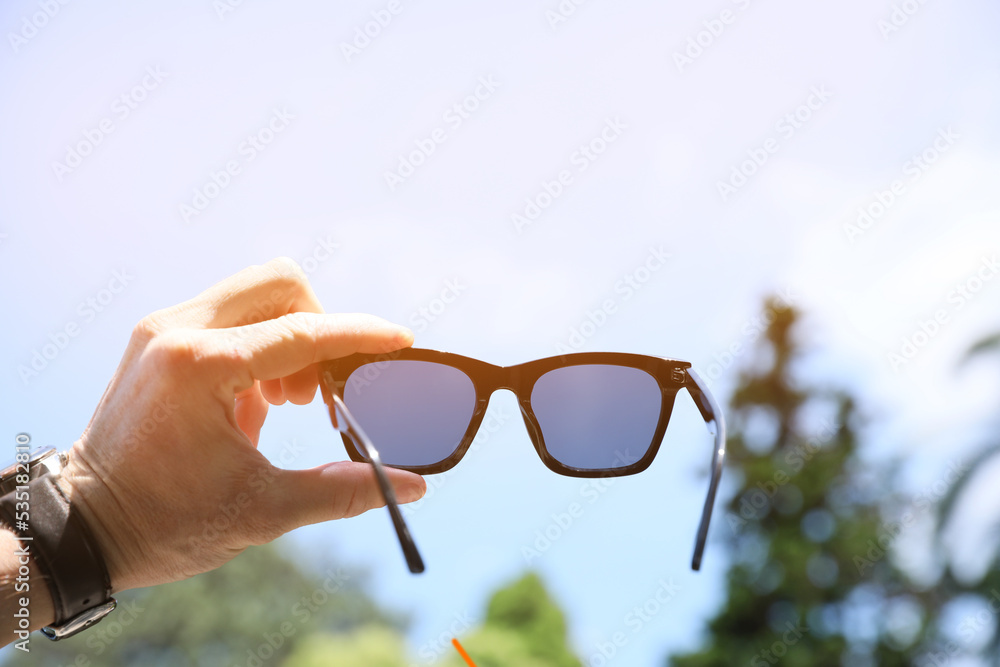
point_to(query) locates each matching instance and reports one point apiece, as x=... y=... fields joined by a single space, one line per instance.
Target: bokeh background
x=711 y=154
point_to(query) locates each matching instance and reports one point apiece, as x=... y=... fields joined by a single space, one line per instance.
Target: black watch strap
x=65 y=552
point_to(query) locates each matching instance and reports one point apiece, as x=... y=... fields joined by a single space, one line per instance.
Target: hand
x=167 y=474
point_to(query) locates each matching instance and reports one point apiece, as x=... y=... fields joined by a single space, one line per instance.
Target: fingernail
x=413 y=488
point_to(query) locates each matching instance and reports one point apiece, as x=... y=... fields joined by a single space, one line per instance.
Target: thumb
x=337 y=491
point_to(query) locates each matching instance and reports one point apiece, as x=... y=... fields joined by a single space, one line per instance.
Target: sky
x=533 y=162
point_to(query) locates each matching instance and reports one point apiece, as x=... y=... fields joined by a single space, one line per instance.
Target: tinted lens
x=415 y=412
x=597 y=416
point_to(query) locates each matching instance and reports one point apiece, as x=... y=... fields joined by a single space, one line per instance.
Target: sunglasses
x=588 y=414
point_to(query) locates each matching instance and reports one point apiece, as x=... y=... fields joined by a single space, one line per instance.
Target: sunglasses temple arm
x=347 y=424
x=712 y=414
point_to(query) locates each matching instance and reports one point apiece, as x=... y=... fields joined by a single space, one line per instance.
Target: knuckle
x=178 y=348
x=148 y=328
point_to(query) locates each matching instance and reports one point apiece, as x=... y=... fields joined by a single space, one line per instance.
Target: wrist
x=88 y=496
x=55 y=535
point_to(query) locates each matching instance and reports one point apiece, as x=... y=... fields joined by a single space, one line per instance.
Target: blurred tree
x=976 y=633
x=809 y=530
x=251 y=612
x=373 y=646
x=523 y=628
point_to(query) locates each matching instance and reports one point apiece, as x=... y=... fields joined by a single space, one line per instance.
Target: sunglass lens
x=595 y=416
x=415 y=412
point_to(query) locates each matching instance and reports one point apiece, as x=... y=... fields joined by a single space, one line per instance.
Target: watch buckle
x=80 y=622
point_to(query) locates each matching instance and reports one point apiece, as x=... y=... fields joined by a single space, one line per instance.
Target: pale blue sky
x=678 y=132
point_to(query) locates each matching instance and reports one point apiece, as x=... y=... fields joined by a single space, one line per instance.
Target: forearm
x=25 y=602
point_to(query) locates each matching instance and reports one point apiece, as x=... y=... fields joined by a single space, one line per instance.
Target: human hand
x=170 y=453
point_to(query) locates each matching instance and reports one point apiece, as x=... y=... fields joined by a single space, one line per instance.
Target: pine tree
x=810 y=530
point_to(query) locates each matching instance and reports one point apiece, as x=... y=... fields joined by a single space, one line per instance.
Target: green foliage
x=492 y=646
x=263 y=609
x=988 y=344
x=523 y=627
x=810 y=579
x=221 y=617
x=372 y=646
x=525 y=608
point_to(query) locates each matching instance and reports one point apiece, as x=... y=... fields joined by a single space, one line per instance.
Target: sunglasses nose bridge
x=496 y=378
x=490 y=379
x=527 y=415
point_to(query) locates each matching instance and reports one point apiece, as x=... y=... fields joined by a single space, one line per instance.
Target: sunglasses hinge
x=678 y=375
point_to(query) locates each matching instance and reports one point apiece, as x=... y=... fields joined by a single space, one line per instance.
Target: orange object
x=461 y=652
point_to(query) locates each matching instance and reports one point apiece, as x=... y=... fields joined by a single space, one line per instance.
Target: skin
x=172 y=446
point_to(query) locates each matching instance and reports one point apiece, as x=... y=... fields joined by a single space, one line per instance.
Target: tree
x=523 y=627
x=251 y=612
x=810 y=529
x=978 y=630
x=371 y=646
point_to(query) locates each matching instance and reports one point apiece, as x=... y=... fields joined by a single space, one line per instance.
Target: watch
x=42 y=460
x=34 y=507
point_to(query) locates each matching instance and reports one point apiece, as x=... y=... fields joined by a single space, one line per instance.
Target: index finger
x=280 y=347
